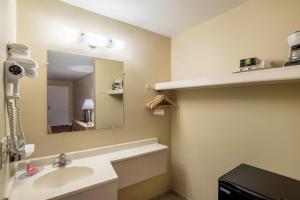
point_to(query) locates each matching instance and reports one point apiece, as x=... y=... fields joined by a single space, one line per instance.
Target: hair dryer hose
x=17 y=141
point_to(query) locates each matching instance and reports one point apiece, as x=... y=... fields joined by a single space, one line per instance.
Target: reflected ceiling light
x=87 y=69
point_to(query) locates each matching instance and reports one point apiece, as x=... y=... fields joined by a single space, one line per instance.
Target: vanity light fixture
x=95 y=40
x=92 y=39
x=117 y=44
x=70 y=34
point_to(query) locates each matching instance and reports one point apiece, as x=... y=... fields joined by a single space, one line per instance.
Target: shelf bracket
x=150 y=86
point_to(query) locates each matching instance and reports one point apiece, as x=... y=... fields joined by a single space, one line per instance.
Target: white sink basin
x=63 y=176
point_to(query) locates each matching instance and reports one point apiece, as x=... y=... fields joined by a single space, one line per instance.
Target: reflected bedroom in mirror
x=84 y=93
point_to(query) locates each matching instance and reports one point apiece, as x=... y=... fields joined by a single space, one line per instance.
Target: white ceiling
x=167 y=17
x=68 y=67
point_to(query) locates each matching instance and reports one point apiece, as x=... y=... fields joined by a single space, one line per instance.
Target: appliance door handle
x=239 y=188
x=252 y=193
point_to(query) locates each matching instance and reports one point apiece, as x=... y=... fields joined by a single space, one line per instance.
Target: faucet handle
x=62 y=160
x=62 y=156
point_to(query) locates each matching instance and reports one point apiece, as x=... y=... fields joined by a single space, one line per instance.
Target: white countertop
x=103 y=173
x=101 y=164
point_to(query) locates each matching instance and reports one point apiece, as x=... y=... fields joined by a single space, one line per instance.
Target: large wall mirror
x=84 y=93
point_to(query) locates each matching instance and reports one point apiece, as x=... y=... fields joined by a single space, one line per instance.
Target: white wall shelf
x=274 y=75
x=113 y=92
x=116 y=92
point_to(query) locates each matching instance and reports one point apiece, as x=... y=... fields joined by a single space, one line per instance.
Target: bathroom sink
x=63 y=176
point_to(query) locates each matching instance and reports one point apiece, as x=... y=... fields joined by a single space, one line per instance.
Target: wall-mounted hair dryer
x=18 y=65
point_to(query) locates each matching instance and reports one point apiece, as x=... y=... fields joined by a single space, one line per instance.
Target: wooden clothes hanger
x=160 y=101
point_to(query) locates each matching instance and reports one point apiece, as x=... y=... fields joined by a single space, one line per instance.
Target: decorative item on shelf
x=252 y=64
x=88 y=107
x=249 y=62
x=118 y=84
x=158 y=104
x=294 y=53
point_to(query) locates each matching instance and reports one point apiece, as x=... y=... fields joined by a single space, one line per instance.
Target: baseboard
x=168 y=192
x=162 y=195
x=180 y=195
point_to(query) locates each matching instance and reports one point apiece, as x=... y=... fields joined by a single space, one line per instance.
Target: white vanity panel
x=141 y=168
x=108 y=192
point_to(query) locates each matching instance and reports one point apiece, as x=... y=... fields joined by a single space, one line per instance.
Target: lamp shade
x=88 y=104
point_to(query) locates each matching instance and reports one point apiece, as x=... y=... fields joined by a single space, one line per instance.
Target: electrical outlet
x=3 y=151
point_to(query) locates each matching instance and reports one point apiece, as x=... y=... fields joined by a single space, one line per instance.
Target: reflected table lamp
x=88 y=107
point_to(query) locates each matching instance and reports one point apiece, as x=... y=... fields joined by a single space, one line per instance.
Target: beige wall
x=83 y=89
x=7 y=34
x=39 y=25
x=109 y=108
x=214 y=130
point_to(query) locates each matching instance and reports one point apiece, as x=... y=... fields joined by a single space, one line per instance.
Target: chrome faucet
x=62 y=161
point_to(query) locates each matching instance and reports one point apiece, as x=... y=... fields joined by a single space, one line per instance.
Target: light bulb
x=70 y=34
x=95 y=40
x=117 y=44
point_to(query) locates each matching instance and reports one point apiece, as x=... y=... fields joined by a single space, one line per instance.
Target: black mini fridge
x=250 y=183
